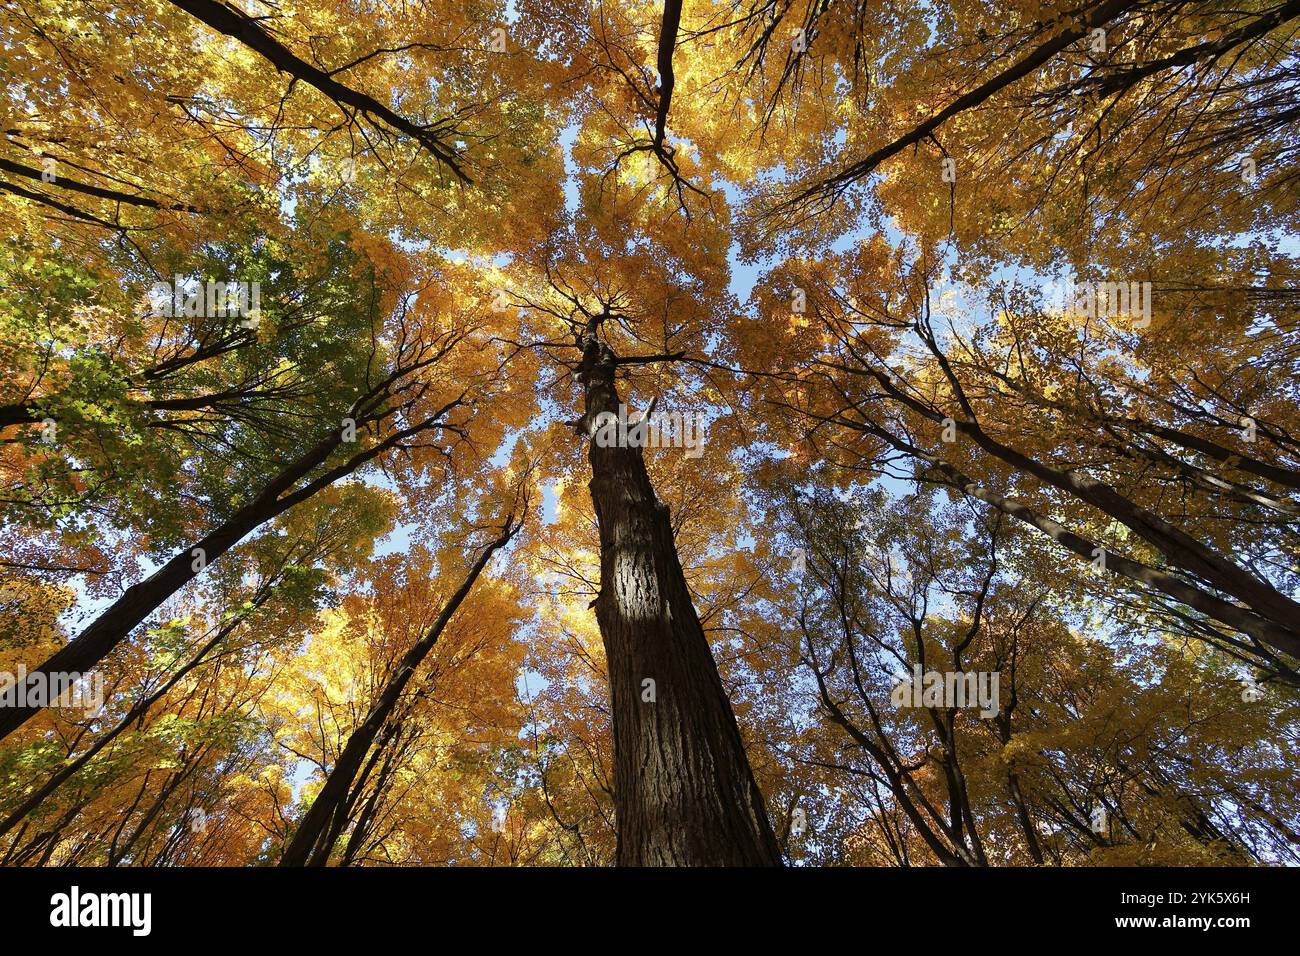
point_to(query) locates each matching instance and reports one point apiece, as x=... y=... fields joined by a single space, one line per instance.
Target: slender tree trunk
x=1022 y=815
x=306 y=845
x=249 y=31
x=1181 y=550
x=134 y=714
x=683 y=790
x=140 y=600
x=1283 y=638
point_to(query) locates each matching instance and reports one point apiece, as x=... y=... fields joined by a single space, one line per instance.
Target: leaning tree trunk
x=321 y=824
x=683 y=790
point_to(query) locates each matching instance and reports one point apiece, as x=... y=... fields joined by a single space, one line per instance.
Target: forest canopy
x=747 y=432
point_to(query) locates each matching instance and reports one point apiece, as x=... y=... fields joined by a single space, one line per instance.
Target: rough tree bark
x=684 y=793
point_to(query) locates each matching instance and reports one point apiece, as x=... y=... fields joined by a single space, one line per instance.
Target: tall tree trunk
x=1183 y=551
x=1285 y=638
x=683 y=790
x=140 y=600
x=311 y=841
x=134 y=714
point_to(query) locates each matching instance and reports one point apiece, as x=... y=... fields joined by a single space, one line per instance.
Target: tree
x=330 y=809
x=540 y=433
